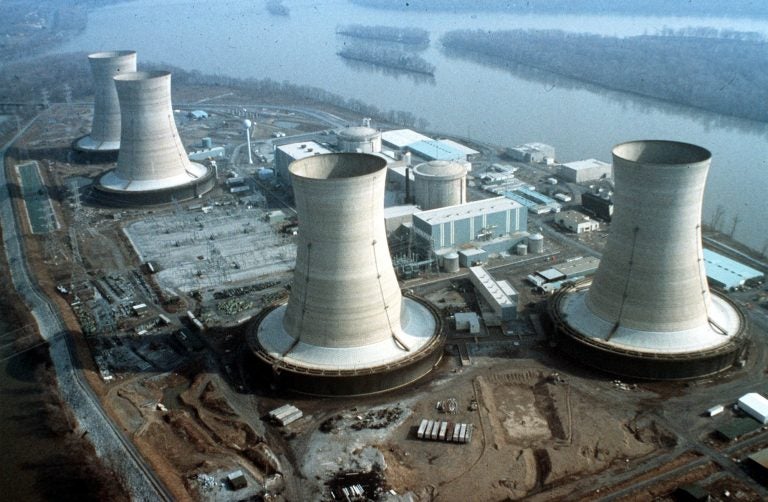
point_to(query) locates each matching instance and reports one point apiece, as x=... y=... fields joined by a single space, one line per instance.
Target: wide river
x=240 y=39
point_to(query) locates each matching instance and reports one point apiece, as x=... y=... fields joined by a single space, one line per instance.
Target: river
x=238 y=38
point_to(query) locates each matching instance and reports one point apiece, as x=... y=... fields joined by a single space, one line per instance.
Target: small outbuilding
x=754 y=405
x=237 y=480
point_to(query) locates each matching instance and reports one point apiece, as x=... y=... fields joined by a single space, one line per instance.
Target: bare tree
x=717 y=218
x=734 y=223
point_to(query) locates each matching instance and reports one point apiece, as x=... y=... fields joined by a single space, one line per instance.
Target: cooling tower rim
x=103 y=55
x=369 y=165
x=141 y=76
x=660 y=153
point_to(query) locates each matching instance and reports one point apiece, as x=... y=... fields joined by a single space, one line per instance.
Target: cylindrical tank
x=105 y=130
x=207 y=143
x=439 y=183
x=359 y=139
x=345 y=292
x=651 y=275
x=521 y=249
x=536 y=243
x=151 y=154
x=451 y=262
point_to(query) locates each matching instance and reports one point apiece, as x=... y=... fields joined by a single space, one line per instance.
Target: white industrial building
x=755 y=406
x=576 y=222
x=500 y=295
x=285 y=154
x=586 y=170
x=533 y=152
x=482 y=221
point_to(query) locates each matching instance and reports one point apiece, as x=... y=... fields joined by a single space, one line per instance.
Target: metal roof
x=303 y=149
x=586 y=164
x=726 y=271
x=432 y=149
x=401 y=138
x=468 y=210
x=458 y=146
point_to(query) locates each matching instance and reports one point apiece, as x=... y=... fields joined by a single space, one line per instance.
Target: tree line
x=411 y=36
x=723 y=75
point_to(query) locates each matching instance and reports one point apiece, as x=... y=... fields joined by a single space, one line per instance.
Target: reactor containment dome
x=649 y=312
x=346 y=329
x=105 y=129
x=152 y=166
x=439 y=183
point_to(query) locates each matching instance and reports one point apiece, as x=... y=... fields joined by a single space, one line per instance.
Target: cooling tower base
x=192 y=189
x=646 y=355
x=87 y=144
x=353 y=371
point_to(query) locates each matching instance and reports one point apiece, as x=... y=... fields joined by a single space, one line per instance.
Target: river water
x=238 y=38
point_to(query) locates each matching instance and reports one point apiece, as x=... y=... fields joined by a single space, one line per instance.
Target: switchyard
x=196 y=249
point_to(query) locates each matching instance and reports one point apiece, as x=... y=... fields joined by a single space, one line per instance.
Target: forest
x=410 y=36
x=720 y=72
x=714 y=8
x=390 y=58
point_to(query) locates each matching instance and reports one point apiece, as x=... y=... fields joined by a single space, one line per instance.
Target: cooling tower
x=346 y=328
x=105 y=130
x=649 y=312
x=152 y=166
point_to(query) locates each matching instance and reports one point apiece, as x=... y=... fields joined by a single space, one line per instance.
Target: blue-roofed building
x=432 y=149
x=536 y=202
x=726 y=273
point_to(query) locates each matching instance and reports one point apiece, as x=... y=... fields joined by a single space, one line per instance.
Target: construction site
x=248 y=357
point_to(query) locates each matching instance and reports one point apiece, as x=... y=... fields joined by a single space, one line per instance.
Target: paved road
x=110 y=442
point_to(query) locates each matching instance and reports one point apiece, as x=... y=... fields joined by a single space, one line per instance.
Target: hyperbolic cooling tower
x=346 y=329
x=649 y=312
x=105 y=130
x=152 y=166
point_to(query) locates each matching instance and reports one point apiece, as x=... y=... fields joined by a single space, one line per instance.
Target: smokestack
x=346 y=315
x=649 y=303
x=105 y=130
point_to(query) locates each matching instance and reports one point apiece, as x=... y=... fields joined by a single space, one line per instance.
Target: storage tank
x=439 y=183
x=451 y=262
x=536 y=243
x=152 y=166
x=521 y=249
x=346 y=315
x=105 y=129
x=360 y=139
x=649 y=312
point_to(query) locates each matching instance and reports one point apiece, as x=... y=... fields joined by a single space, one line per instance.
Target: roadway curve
x=111 y=444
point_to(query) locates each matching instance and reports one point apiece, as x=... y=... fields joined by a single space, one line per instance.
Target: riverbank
x=675 y=68
x=45 y=458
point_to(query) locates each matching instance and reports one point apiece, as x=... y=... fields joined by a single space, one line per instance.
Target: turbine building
x=346 y=328
x=152 y=166
x=649 y=312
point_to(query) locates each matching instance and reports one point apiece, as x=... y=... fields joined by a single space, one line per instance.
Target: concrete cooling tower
x=439 y=183
x=346 y=328
x=152 y=166
x=105 y=130
x=649 y=312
